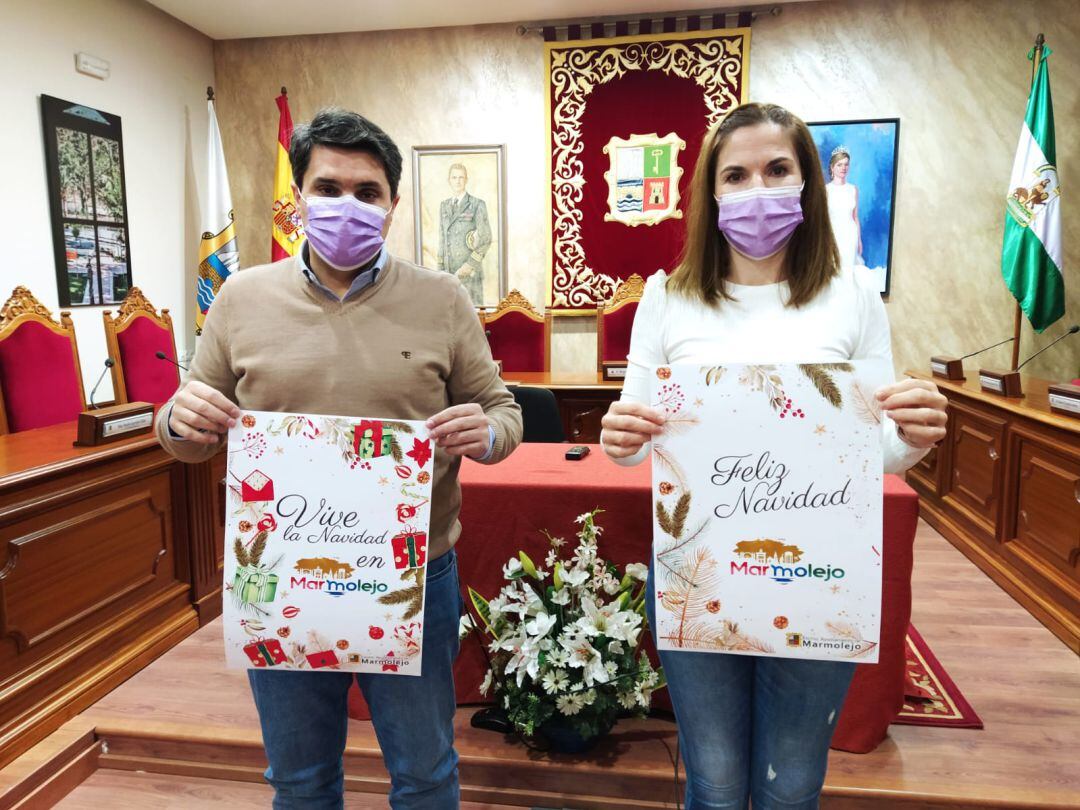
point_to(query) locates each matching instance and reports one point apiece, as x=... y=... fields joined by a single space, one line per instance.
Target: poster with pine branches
x=767 y=509
x=326 y=539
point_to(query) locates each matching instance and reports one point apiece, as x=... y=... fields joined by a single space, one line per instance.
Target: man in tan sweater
x=344 y=328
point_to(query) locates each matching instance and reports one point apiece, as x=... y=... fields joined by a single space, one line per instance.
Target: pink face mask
x=344 y=231
x=758 y=222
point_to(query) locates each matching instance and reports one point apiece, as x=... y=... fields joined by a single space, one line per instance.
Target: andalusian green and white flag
x=1031 y=257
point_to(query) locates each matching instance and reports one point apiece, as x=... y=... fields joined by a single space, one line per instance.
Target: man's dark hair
x=333 y=126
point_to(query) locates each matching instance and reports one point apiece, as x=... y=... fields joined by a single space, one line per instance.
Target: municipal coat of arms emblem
x=643 y=181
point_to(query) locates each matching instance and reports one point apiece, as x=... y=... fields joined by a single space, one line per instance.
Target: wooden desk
x=1004 y=488
x=109 y=556
x=583 y=399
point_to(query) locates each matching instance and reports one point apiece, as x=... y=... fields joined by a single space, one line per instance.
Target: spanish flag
x=219 y=256
x=288 y=230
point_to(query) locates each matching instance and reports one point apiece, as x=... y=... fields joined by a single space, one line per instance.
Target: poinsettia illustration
x=421 y=451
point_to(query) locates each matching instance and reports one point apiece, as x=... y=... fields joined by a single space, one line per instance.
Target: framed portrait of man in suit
x=459 y=199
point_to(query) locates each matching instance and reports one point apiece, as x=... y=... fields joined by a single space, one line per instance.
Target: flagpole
x=1018 y=319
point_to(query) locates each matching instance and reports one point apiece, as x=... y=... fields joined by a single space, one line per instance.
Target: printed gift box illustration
x=327 y=530
x=767 y=490
x=410 y=549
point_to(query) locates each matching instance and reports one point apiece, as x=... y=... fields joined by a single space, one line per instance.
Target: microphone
x=109 y=363
x=1072 y=331
x=988 y=348
x=162 y=356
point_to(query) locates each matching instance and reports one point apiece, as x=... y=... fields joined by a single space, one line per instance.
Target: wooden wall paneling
x=92 y=587
x=1009 y=497
x=1041 y=531
x=206 y=533
x=582 y=414
x=976 y=444
x=928 y=470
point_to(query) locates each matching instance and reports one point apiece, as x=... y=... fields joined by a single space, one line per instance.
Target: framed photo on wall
x=859 y=161
x=459 y=194
x=84 y=158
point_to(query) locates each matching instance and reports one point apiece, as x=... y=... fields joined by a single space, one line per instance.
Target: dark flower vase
x=563 y=738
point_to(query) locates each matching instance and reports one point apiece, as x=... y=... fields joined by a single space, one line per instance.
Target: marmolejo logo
x=778 y=561
x=331 y=577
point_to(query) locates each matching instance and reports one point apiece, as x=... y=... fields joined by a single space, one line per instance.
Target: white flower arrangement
x=567 y=650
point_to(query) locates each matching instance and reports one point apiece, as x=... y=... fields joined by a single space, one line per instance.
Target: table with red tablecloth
x=506 y=507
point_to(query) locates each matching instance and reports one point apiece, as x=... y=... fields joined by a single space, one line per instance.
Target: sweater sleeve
x=875 y=342
x=646 y=352
x=212 y=365
x=474 y=377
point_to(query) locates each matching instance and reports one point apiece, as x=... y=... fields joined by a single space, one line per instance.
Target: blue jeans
x=752 y=727
x=304 y=718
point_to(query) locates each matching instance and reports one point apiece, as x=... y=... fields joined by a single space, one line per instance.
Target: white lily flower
x=576 y=577
x=615 y=647
x=584 y=656
x=638 y=571
x=465 y=626
x=512 y=567
x=524 y=661
x=596 y=619
x=485 y=685
x=561 y=596
x=541 y=625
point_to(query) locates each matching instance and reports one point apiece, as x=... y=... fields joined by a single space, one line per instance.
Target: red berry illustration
x=663 y=373
x=248 y=421
x=375 y=632
x=342 y=644
x=780 y=622
x=713 y=606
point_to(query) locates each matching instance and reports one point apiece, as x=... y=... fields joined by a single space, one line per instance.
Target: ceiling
x=239 y=19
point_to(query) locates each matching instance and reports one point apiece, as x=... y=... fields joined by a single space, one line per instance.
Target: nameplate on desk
x=614 y=372
x=993 y=384
x=1065 y=399
x=127 y=424
x=116 y=422
x=938 y=368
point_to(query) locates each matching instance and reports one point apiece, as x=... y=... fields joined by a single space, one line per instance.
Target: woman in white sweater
x=760 y=281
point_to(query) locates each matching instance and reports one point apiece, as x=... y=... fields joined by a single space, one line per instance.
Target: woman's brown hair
x=812 y=257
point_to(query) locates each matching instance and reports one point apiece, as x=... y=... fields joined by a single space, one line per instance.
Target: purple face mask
x=344 y=231
x=759 y=221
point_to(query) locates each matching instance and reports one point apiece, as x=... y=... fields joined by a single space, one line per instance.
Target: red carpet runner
x=930 y=696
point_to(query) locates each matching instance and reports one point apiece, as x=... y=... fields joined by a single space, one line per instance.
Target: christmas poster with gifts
x=326 y=543
x=767 y=509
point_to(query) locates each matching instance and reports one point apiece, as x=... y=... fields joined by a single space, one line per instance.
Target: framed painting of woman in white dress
x=859 y=162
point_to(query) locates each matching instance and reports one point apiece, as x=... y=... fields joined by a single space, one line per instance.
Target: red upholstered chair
x=614 y=321
x=40 y=376
x=133 y=338
x=519 y=335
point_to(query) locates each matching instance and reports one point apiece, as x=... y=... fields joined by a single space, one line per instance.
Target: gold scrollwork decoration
x=714 y=62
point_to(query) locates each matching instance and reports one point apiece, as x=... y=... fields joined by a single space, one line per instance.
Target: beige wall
x=160 y=70
x=953 y=71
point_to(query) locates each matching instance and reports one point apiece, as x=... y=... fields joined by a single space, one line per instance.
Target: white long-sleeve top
x=845 y=321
